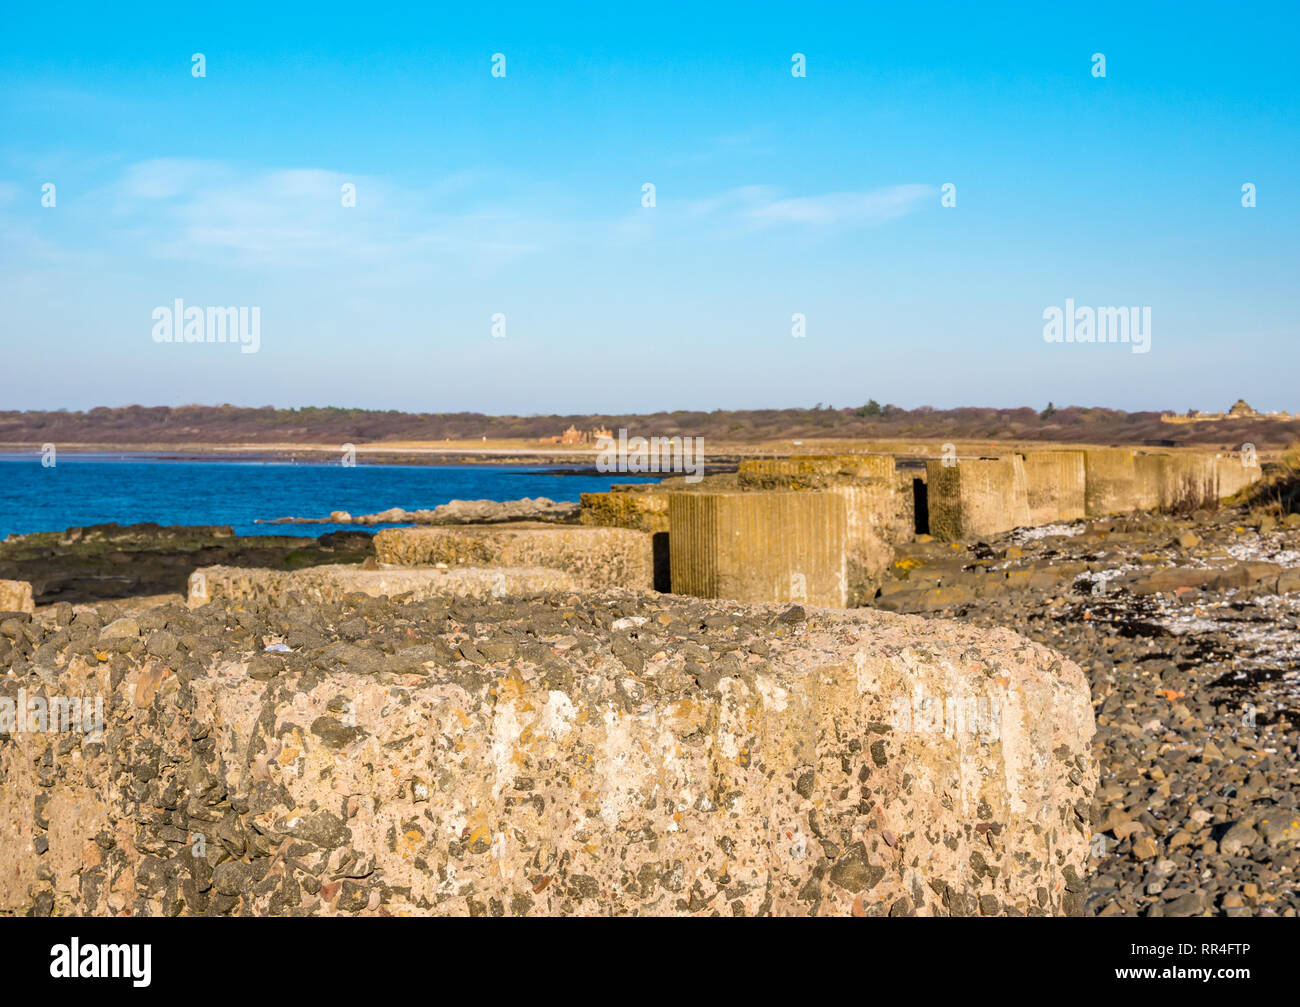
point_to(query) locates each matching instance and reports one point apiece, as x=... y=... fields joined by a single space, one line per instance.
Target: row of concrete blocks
x=962 y=499
x=815 y=530
x=818 y=530
x=752 y=547
x=821 y=529
x=989 y=496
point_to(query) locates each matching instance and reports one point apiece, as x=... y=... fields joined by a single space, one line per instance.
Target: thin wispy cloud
x=165 y=178
x=179 y=209
x=212 y=211
x=766 y=206
x=844 y=209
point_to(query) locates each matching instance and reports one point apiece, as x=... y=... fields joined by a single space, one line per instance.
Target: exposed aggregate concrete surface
x=1189 y=632
x=595 y=754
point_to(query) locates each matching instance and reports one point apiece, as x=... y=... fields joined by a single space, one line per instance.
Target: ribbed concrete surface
x=1148 y=470
x=1056 y=486
x=774 y=546
x=870 y=488
x=867 y=554
x=1110 y=481
x=977 y=497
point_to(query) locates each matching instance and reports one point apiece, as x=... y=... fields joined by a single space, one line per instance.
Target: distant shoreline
x=566 y=461
x=543 y=467
x=394 y=435
x=311 y=454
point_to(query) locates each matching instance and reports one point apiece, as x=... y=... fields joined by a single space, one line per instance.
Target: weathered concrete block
x=771 y=546
x=977 y=497
x=869 y=485
x=1191 y=481
x=1236 y=471
x=709 y=484
x=594 y=557
x=1056 y=486
x=332 y=582
x=1181 y=482
x=1110 y=479
x=874 y=476
x=867 y=553
x=906 y=489
x=16 y=596
x=643 y=510
x=1148 y=471
x=867 y=764
x=815 y=471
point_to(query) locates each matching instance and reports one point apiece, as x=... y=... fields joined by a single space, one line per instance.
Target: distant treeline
x=162 y=425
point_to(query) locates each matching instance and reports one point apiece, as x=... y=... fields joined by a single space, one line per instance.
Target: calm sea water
x=93 y=489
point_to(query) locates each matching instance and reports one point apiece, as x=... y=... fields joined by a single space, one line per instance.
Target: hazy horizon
x=1039 y=407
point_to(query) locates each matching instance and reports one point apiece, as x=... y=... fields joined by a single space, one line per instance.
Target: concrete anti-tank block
x=1148 y=471
x=1056 y=486
x=977 y=497
x=870 y=487
x=1237 y=471
x=1110 y=481
x=594 y=557
x=1181 y=482
x=545 y=781
x=814 y=471
x=874 y=476
x=332 y=582
x=772 y=546
x=643 y=511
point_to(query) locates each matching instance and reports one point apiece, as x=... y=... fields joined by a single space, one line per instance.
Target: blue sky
x=775 y=195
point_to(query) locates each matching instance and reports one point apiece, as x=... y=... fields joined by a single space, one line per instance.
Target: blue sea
x=95 y=489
